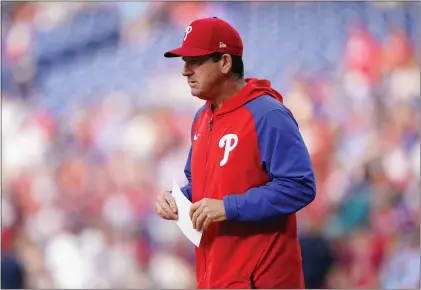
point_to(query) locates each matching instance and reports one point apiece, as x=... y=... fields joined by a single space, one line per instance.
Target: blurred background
x=96 y=122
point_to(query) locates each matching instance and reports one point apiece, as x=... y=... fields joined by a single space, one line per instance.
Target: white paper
x=184 y=221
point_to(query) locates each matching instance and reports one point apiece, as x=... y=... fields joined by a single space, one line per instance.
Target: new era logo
x=221 y=45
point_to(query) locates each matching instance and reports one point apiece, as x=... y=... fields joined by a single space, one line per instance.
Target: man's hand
x=165 y=206
x=206 y=211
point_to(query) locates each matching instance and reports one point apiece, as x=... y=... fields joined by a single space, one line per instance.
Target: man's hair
x=237 y=63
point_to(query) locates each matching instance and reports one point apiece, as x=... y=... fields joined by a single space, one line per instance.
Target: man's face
x=203 y=76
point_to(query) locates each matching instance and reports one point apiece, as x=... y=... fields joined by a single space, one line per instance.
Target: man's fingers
x=199 y=221
x=171 y=201
x=166 y=207
x=165 y=200
x=193 y=209
x=207 y=222
x=164 y=210
x=161 y=212
x=196 y=214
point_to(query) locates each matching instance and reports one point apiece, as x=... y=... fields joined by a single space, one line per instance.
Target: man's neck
x=228 y=89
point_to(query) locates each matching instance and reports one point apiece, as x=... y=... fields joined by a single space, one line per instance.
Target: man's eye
x=195 y=61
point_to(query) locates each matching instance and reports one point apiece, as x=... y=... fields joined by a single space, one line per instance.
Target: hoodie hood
x=253 y=89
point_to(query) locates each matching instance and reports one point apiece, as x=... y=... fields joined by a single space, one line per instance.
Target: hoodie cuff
x=230 y=204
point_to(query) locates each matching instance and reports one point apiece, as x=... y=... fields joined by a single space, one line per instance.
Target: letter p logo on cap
x=188 y=30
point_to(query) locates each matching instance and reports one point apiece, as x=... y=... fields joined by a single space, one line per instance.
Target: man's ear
x=226 y=63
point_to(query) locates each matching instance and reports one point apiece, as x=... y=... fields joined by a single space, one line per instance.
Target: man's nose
x=186 y=70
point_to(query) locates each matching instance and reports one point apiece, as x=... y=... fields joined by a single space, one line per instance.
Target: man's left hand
x=207 y=211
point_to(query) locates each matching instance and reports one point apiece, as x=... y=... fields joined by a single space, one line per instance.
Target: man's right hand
x=165 y=206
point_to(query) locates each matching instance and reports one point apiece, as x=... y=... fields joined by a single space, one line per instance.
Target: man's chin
x=200 y=96
x=196 y=94
x=193 y=92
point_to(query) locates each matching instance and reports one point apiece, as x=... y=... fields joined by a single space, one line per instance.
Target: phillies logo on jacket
x=225 y=142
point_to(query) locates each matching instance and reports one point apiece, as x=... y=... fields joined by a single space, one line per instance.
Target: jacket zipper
x=210 y=124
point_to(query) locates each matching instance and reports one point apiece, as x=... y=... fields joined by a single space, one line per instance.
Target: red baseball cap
x=206 y=36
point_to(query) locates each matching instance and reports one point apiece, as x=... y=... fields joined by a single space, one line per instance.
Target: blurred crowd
x=92 y=131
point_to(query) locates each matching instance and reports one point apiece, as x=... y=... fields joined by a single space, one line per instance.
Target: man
x=248 y=168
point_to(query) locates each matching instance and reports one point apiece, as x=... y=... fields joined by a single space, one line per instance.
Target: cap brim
x=187 y=51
